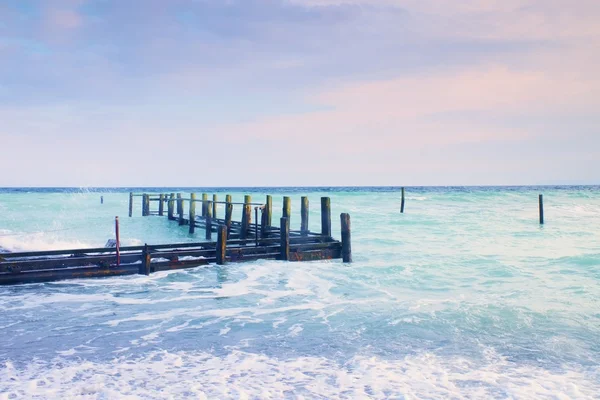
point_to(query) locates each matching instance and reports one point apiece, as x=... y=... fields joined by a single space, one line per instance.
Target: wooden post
x=117 y=241
x=171 y=207
x=228 y=214
x=130 y=204
x=161 y=204
x=180 y=208
x=269 y=206
x=304 y=216
x=402 y=203
x=144 y=195
x=263 y=223
x=192 y=212
x=285 y=239
x=208 y=221
x=287 y=208
x=541 y=209
x=256 y=226
x=246 y=217
x=146 y=260
x=325 y=216
x=204 y=203
x=346 y=238
x=214 y=206
x=221 y=245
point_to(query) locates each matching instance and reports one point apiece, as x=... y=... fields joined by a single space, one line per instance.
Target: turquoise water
x=463 y=296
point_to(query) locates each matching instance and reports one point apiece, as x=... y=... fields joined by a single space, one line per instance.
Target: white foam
x=161 y=374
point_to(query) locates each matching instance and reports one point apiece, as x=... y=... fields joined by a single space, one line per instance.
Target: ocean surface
x=465 y=296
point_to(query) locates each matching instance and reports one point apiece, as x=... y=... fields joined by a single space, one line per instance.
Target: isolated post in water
x=541 y=209
x=402 y=203
x=346 y=238
x=304 y=216
x=101 y=199
x=130 y=204
x=325 y=216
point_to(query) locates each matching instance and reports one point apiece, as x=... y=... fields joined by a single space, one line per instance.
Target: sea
x=463 y=296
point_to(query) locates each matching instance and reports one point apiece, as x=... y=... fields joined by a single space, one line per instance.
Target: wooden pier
x=252 y=238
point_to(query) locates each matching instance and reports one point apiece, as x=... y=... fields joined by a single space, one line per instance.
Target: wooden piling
x=264 y=229
x=214 y=210
x=284 y=239
x=204 y=203
x=304 y=216
x=130 y=204
x=180 y=208
x=402 y=203
x=208 y=221
x=161 y=204
x=221 y=245
x=145 y=204
x=117 y=241
x=346 y=238
x=541 y=209
x=269 y=210
x=146 y=261
x=228 y=214
x=287 y=208
x=246 y=217
x=325 y=216
x=171 y=207
x=192 y=213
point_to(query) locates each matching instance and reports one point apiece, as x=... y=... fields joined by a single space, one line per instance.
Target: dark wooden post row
x=221 y=245
x=304 y=216
x=325 y=216
x=161 y=204
x=285 y=239
x=346 y=238
x=192 y=213
x=130 y=204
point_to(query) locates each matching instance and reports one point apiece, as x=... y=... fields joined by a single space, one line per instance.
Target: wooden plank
x=58 y=263
x=68 y=273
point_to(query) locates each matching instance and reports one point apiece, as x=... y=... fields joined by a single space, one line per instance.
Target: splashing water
x=463 y=296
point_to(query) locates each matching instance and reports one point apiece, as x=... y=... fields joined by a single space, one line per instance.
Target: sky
x=299 y=92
